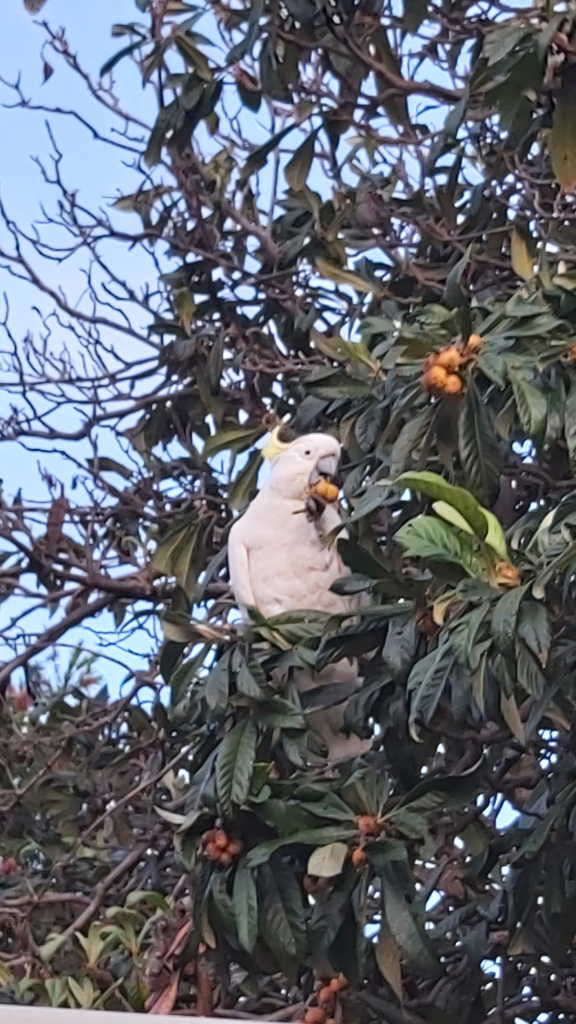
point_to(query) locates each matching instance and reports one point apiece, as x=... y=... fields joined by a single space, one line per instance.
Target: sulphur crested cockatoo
x=280 y=562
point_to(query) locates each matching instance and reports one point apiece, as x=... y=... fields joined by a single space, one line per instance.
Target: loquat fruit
x=368 y=825
x=453 y=385
x=327 y=491
x=326 y=995
x=221 y=839
x=435 y=378
x=359 y=857
x=506 y=574
x=475 y=341
x=314 y=1015
x=449 y=358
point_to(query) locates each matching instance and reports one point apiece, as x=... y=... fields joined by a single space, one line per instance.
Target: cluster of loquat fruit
x=369 y=827
x=326 y=993
x=440 y=373
x=220 y=847
x=326 y=491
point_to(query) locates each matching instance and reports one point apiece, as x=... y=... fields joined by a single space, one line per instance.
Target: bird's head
x=300 y=465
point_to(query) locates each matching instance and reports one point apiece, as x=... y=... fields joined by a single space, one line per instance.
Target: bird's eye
x=307 y=452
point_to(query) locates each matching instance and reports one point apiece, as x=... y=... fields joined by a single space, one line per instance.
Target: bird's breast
x=291 y=567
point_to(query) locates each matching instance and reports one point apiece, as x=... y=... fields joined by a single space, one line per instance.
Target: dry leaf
x=511 y=716
x=34 y=5
x=56 y=517
x=520 y=943
x=166 y=1000
x=204 y=1000
x=327 y=861
x=339 y=276
x=522 y=262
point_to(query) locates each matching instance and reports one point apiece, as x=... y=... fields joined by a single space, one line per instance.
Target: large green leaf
x=283 y=921
x=426 y=537
x=531 y=404
x=427 y=682
x=505 y=617
x=535 y=630
x=435 y=487
x=407 y=932
x=478 y=446
x=218 y=683
x=245 y=898
x=235 y=764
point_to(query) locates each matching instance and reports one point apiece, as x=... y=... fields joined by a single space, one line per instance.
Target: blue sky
x=93 y=168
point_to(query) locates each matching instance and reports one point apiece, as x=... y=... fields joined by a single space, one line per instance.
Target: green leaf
x=478 y=446
x=564 y=561
x=505 y=616
x=53 y=944
x=298 y=168
x=407 y=442
x=426 y=537
x=434 y=486
x=528 y=671
x=531 y=404
x=539 y=834
x=570 y=424
x=257 y=160
x=306 y=837
x=414 y=14
x=562 y=140
x=427 y=682
x=236 y=440
x=235 y=764
x=495 y=538
x=387 y=952
x=218 y=683
x=246 y=682
x=183 y=677
x=124 y=52
x=451 y=515
x=283 y=920
x=534 y=629
x=408 y=934
x=328 y=861
x=245 y=900
x=84 y=993
x=243 y=489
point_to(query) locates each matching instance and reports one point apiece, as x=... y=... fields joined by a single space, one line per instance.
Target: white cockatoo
x=280 y=562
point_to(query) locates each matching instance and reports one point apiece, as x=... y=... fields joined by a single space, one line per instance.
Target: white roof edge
x=48 y=1015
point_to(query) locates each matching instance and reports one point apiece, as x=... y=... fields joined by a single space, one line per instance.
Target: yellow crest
x=274 y=446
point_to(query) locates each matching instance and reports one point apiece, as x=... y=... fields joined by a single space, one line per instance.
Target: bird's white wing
x=239 y=566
